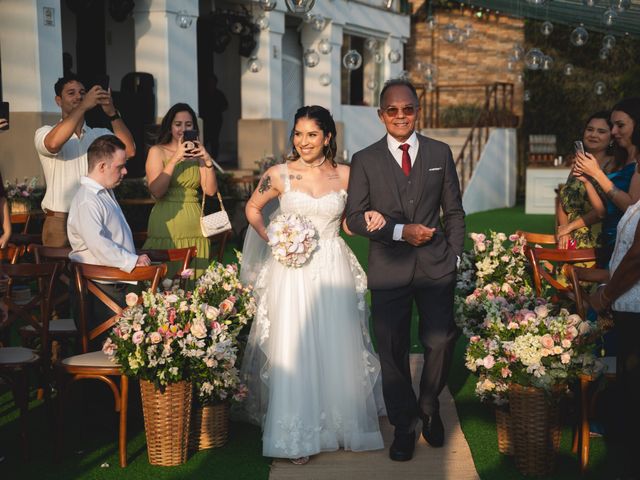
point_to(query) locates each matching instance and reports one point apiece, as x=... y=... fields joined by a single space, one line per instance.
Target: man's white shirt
x=394 y=147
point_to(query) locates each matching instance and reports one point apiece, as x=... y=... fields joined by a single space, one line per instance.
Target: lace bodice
x=325 y=211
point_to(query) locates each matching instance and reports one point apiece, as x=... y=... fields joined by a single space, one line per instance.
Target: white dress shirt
x=394 y=148
x=97 y=229
x=62 y=170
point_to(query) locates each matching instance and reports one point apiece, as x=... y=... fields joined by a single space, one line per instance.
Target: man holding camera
x=62 y=149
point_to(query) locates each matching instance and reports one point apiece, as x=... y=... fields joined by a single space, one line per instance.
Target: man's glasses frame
x=407 y=110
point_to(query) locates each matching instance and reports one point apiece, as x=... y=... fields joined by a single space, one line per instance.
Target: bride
x=309 y=364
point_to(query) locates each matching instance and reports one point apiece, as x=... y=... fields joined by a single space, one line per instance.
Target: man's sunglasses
x=408 y=111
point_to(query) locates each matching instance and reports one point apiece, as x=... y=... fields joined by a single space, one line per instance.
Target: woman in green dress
x=580 y=207
x=175 y=170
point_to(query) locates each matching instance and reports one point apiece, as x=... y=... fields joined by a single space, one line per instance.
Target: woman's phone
x=579 y=147
x=190 y=136
x=4 y=113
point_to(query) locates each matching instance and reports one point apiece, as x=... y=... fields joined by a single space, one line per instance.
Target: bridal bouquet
x=292 y=239
x=540 y=347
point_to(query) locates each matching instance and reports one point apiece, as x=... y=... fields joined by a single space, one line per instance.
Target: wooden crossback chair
x=581 y=437
x=221 y=239
x=534 y=238
x=96 y=365
x=15 y=362
x=547 y=263
x=184 y=255
x=61 y=329
x=11 y=253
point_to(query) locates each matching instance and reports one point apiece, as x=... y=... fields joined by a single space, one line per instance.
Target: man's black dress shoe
x=433 y=429
x=402 y=447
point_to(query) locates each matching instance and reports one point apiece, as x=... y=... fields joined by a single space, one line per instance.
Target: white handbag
x=214 y=223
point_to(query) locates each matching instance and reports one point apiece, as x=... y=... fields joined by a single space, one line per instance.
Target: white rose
x=198 y=329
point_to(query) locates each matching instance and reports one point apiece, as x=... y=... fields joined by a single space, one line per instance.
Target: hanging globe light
x=183 y=19
x=589 y=3
x=371 y=44
x=299 y=7
x=536 y=3
x=512 y=65
x=394 y=55
x=603 y=54
x=311 y=58
x=533 y=59
x=609 y=17
x=372 y=83
x=324 y=46
x=318 y=22
x=352 y=60
x=599 y=88
x=517 y=52
x=388 y=4
x=450 y=33
x=267 y=5
x=620 y=5
x=325 y=79
x=262 y=22
x=547 y=63
x=429 y=72
x=568 y=69
x=404 y=75
x=431 y=22
x=527 y=95
x=609 y=41
x=520 y=78
x=579 y=36
x=378 y=57
x=546 y=28
x=254 y=65
x=467 y=31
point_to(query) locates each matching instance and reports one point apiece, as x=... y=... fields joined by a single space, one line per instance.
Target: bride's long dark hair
x=325 y=122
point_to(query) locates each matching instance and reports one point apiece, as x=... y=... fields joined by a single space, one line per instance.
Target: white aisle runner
x=451 y=462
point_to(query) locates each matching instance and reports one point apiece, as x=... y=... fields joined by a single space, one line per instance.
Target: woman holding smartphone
x=175 y=169
x=580 y=206
x=622 y=185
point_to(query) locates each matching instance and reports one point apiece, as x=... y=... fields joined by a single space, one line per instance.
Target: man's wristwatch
x=114 y=117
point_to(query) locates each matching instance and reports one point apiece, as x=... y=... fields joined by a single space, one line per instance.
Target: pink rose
x=155 y=337
x=226 y=306
x=475 y=339
x=131 y=299
x=505 y=372
x=138 y=337
x=514 y=237
x=565 y=358
x=488 y=361
x=186 y=273
x=109 y=348
x=566 y=343
x=546 y=341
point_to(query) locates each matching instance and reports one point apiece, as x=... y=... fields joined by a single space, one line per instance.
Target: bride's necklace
x=314 y=165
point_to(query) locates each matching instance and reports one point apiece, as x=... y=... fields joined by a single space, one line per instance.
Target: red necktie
x=406 y=159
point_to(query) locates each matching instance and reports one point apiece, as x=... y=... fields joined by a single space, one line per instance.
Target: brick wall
x=481 y=59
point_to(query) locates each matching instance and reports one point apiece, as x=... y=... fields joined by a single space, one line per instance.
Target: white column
x=31 y=53
x=392 y=70
x=262 y=91
x=168 y=51
x=315 y=93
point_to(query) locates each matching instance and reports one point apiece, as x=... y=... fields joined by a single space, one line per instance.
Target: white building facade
x=160 y=37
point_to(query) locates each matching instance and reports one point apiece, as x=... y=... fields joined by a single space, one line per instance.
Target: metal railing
x=496 y=111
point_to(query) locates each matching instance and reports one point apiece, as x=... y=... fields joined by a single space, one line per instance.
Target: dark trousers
x=391 y=311
x=627 y=325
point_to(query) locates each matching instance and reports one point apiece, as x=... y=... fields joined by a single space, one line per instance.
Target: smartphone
x=103 y=81
x=4 y=113
x=579 y=147
x=190 y=136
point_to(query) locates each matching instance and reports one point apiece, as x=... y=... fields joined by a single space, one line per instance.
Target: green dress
x=175 y=219
x=575 y=202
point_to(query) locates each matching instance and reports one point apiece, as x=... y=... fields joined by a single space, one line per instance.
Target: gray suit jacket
x=372 y=186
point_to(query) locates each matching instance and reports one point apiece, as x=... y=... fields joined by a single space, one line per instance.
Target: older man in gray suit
x=410 y=179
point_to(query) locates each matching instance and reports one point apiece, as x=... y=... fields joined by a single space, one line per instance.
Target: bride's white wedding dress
x=314 y=381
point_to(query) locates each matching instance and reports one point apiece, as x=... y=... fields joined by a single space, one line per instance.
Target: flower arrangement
x=493 y=268
x=148 y=340
x=21 y=191
x=227 y=307
x=528 y=346
x=292 y=239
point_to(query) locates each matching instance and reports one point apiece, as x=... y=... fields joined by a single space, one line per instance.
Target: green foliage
x=561 y=104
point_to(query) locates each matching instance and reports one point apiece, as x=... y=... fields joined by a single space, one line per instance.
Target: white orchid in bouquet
x=292 y=239
x=531 y=347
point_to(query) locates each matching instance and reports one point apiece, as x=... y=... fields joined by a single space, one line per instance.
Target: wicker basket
x=503 y=426
x=209 y=426
x=535 y=428
x=19 y=207
x=166 y=422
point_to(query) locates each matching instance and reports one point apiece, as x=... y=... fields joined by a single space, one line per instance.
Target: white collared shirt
x=394 y=147
x=97 y=229
x=62 y=170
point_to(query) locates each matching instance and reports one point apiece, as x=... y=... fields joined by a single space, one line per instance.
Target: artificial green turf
x=241 y=458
